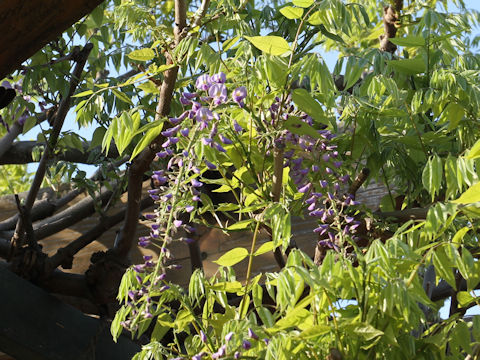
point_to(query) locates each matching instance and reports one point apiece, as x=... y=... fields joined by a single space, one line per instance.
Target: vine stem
x=249 y=268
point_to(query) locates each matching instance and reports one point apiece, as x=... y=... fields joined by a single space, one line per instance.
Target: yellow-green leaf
x=268 y=246
x=273 y=45
x=232 y=257
x=303 y=3
x=474 y=152
x=409 y=41
x=83 y=93
x=120 y=95
x=240 y=225
x=409 y=66
x=464 y=298
x=472 y=195
x=142 y=54
x=291 y=12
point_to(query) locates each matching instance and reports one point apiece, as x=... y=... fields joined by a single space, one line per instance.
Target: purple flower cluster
x=227 y=348
x=315 y=168
x=181 y=176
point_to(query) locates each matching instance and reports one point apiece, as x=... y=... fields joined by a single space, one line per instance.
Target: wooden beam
x=37 y=326
x=28 y=25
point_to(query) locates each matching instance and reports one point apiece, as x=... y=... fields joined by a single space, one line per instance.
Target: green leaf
x=308 y=104
x=432 y=175
x=146 y=140
x=303 y=3
x=122 y=96
x=453 y=113
x=408 y=66
x=367 y=331
x=240 y=225
x=472 y=195
x=83 y=93
x=232 y=257
x=464 y=298
x=474 y=152
x=142 y=54
x=227 y=286
x=410 y=40
x=330 y=35
x=148 y=88
x=291 y=12
x=264 y=248
x=273 y=45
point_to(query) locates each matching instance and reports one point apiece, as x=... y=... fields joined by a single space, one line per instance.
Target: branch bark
x=64 y=256
x=21 y=152
x=141 y=164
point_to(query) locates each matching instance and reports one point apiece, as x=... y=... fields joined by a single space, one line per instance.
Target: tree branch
x=21 y=152
x=62 y=111
x=64 y=256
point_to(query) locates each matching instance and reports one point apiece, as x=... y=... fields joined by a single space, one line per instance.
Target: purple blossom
x=219 y=147
x=321 y=229
x=219 y=93
x=164 y=288
x=266 y=341
x=188 y=240
x=149 y=216
x=237 y=127
x=179 y=119
x=304 y=189
x=239 y=94
x=210 y=165
x=325 y=157
x=222 y=351
x=203 y=82
x=219 y=78
x=143 y=242
x=246 y=344
x=204 y=115
x=252 y=334
x=225 y=140
x=177 y=223
x=196 y=183
x=170 y=132
x=337 y=164
x=323 y=183
x=162 y=154
x=237 y=355
x=229 y=336
x=189 y=208
x=189 y=228
x=203 y=337
x=185 y=132
x=160 y=179
x=131 y=295
x=207 y=141
x=344 y=179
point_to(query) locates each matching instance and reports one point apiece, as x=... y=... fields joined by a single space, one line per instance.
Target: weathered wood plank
x=28 y=25
x=37 y=326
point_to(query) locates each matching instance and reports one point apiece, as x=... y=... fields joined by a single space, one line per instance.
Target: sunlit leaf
x=273 y=45
x=142 y=54
x=291 y=12
x=232 y=257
